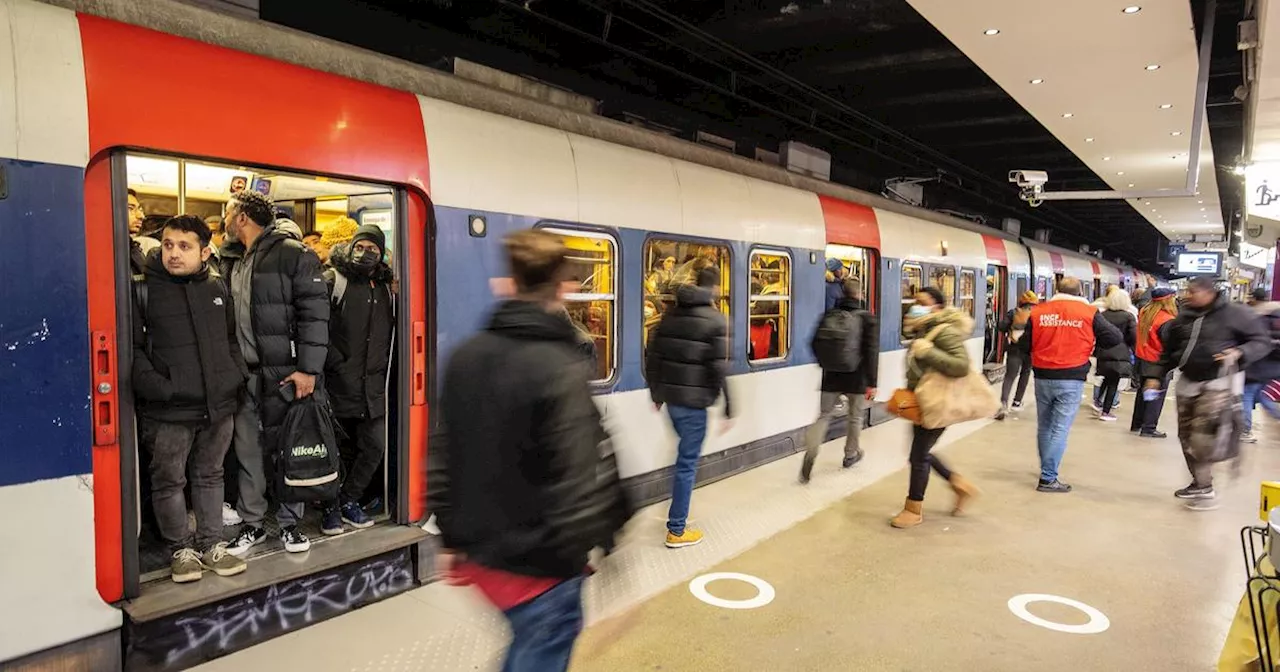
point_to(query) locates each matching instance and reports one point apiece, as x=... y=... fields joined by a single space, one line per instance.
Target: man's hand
x=726 y=426
x=304 y=383
x=871 y=394
x=1228 y=356
x=657 y=405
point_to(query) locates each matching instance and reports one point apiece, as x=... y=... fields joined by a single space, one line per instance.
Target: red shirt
x=503 y=589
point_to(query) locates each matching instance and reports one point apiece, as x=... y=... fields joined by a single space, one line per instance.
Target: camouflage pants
x=1208 y=433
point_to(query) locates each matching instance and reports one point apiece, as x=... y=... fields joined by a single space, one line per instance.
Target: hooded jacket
x=1223 y=325
x=187 y=366
x=361 y=325
x=947 y=354
x=688 y=355
x=1267 y=368
x=516 y=477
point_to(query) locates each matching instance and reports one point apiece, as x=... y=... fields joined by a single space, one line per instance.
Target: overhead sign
x=1254 y=255
x=1199 y=263
x=1262 y=203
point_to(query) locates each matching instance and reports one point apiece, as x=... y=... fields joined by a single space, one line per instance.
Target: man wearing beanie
x=835 y=282
x=361 y=324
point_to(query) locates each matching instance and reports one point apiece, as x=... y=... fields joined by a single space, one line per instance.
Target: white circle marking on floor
x=1098 y=621
x=764 y=596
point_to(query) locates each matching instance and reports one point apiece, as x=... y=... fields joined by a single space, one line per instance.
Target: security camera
x=1030 y=185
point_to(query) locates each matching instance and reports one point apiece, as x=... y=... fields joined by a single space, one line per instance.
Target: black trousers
x=1110 y=388
x=362 y=453
x=1146 y=414
x=922 y=441
x=1016 y=365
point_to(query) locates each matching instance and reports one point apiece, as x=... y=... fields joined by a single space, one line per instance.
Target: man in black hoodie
x=361 y=324
x=282 y=324
x=188 y=376
x=686 y=367
x=515 y=473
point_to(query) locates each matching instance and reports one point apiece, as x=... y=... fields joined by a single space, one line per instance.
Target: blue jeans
x=1057 y=402
x=544 y=629
x=691 y=427
x=1253 y=395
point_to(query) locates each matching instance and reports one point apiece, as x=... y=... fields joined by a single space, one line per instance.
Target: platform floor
x=854 y=594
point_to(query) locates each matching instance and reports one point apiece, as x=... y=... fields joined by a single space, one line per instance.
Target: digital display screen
x=1199 y=263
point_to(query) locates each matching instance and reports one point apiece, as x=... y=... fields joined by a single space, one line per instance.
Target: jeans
x=177 y=449
x=1057 y=402
x=818 y=430
x=923 y=441
x=1253 y=395
x=691 y=427
x=1016 y=366
x=544 y=629
x=1146 y=414
x=1105 y=394
x=361 y=454
x=252 y=505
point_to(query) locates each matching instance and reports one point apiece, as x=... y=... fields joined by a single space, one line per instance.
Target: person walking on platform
x=1210 y=341
x=686 y=367
x=939 y=332
x=188 y=376
x=1265 y=369
x=1154 y=321
x=1017 y=362
x=1061 y=335
x=847 y=346
x=520 y=476
x=1115 y=362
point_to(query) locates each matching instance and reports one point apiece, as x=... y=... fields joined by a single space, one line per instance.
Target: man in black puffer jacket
x=521 y=477
x=361 y=324
x=686 y=366
x=282 y=323
x=188 y=375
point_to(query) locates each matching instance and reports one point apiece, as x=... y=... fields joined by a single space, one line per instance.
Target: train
x=447 y=167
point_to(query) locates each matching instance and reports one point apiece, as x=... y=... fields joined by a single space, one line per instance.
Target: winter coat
x=1226 y=325
x=1267 y=368
x=688 y=357
x=834 y=292
x=1116 y=360
x=515 y=477
x=289 y=311
x=1006 y=328
x=946 y=354
x=857 y=382
x=187 y=366
x=360 y=330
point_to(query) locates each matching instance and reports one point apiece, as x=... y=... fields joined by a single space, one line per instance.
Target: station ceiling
x=887 y=92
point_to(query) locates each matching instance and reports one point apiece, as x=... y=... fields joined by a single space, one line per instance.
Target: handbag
x=903 y=403
x=946 y=401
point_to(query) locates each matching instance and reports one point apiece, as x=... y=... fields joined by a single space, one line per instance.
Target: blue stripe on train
x=44 y=369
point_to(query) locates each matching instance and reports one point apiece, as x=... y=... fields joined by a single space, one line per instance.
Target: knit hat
x=834 y=264
x=339 y=231
x=372 y=234
x=1028 y=297
x=1161 y=292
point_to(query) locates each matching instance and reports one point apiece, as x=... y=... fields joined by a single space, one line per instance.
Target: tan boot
x=965 y=491
x=912 y=515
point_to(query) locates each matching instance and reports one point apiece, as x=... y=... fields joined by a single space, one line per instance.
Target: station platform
x=850 y=592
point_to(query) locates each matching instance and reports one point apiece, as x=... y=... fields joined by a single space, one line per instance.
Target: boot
x=965 y=491
x=912 y=515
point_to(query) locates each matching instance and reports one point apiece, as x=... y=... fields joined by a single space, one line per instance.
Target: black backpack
x=307 y=463
x=838 y=341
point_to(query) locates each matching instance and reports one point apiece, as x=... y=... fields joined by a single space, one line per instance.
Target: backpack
x=307 y=462
x=838 y=341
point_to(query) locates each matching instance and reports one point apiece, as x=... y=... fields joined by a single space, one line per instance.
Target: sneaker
x=1000 y=414
x=1097 y=408
x=1196 y=492
x=1107 y=417
x=689 y=538
x=249 y=537
x=1202 y=504
x=850 y=461
x=806 y=468
x=355 y=516
x=220 y=562
x=1248 y=437
x=1055 y=486
x=331 y=521
x=230 y=516
x=1153 y=434
x=1017 y=406
x=293 y=540
x=186 y=566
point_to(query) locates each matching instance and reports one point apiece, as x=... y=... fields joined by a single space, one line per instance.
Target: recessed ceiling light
x=1153 y=66
x=1067 y=115
x=1088 y=139
x=1176 y=133
x=1106 y=158
x=1166 y=106
x=1037 y=81
x=1201 y=202
x=1201 y=209
x=1130 y=185
x=1147 y=203
x=1121 y=172
x=1132 y=9
x=991 y=31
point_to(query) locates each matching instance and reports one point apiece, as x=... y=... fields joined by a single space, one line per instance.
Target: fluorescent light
x=1067 y=115
x=1200 y=202
x=1201 y=209
x=1166 y=106
x=1120 y=172
x=991 y=31
x=1037 y=81
x=1153 y=66
x=1132 y=9
x=1130 y=185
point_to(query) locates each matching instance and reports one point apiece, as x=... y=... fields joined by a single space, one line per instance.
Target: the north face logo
x=318 y=450
x=217 y=300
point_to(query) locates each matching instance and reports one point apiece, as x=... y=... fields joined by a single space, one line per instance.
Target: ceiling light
x=991 y=31
x=1166 y=106
x=1088 y=139
x=1153 y=66
x=1067 y=115
x=1130 y=185
x=1037 y=81
x=1176 y=133
x=1201 y=209
x=1120 y=172
x=1132 y=9
x=1106 y=158
x=1200 y=202
x=1147 y=203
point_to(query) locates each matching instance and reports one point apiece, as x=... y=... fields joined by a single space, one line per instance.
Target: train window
x=968 y=291
x=770 y=309
x=944 y=278
x=670 y=264
x=912 y=281
x=860 y=264
x=591 y=303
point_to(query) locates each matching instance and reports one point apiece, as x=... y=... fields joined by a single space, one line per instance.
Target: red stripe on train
x=850 y=223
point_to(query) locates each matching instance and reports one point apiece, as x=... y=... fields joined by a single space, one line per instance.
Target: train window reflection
x=944 y=278
x=912 y=281
x=770 y=309
x=669 y=264
x=967 y=293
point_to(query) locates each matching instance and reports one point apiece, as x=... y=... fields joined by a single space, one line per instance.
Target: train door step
x=174 y=626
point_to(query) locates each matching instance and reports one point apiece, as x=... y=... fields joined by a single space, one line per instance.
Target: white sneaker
x=1248 y=437
x=230 y=516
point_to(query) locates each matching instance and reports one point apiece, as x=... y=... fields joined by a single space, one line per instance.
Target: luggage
x=307 y=460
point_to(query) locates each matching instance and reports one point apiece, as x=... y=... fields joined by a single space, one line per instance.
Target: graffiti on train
x=220 y=629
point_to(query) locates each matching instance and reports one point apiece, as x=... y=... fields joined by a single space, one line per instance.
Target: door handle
x=419 y=364
x=105 y=395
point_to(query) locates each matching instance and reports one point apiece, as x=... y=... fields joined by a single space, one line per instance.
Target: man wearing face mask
x=361 y=324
